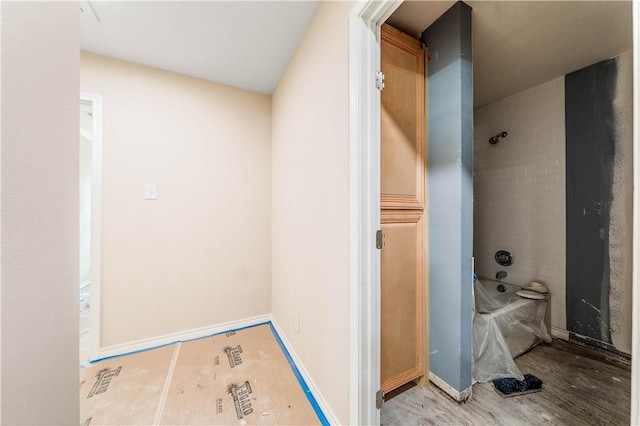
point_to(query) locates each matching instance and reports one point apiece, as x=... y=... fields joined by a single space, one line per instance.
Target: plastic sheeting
x=504 y=327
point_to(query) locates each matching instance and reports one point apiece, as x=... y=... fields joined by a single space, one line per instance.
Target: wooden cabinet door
x=402 y=302
x=402 y=130
x=402 y=201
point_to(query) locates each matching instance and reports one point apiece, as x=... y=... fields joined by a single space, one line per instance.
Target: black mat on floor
x=512 y=387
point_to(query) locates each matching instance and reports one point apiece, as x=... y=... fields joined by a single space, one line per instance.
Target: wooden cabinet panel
x=402 y=316
x=402 y=202
x=402 y=138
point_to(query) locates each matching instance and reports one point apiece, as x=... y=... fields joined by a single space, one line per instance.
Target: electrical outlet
x=296 y=322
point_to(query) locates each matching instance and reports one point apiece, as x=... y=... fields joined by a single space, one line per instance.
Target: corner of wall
x=310 y=207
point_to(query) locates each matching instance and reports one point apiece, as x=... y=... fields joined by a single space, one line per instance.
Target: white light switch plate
x=150 y=191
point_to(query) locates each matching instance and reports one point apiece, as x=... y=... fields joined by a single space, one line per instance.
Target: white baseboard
x=180 y=336
x=560 y=333
x=457 y=395
x=322 y=402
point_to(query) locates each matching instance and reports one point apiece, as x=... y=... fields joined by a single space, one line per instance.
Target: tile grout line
x=167 y=384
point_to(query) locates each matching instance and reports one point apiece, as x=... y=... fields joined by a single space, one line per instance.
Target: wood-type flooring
x=581 y=387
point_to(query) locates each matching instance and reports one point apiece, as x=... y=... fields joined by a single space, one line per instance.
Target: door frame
x=365 y=20
x=95 y=267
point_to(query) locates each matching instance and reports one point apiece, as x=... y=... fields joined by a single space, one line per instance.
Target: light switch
x=150 y=191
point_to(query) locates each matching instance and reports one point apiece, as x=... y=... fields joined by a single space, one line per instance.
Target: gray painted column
x=450 y=125
x=598 y=107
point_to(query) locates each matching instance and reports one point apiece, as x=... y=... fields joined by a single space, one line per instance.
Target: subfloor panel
x=240 y=377
x=124 y=390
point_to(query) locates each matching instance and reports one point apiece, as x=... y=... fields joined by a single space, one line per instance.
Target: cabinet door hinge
x=379 y=239
x=379 y=80
x=379 y=399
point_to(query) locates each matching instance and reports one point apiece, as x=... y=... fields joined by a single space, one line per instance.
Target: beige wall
x=40 y=59
x=200 y=254
x=310 y=203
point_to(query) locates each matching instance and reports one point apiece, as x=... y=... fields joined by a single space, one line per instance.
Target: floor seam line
x=167 y=384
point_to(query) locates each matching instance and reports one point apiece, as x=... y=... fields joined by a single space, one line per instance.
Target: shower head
x=495 y=139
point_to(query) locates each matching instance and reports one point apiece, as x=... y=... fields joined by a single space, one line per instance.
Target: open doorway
x=366 y=20
x=89 y=184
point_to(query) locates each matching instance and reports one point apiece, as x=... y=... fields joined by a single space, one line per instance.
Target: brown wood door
x=402 y=123
x=402 y=199
x=402 y=303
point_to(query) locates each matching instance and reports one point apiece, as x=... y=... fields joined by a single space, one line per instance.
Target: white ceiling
x=520 y=44
x=246 y=44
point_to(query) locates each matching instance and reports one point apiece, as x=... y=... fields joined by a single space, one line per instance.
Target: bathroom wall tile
x=560 y=295
x=555 y=314
x=562 y=316
x=558 y=315
x=519 y=189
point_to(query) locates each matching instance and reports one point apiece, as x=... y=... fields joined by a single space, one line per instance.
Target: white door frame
x=365 y=21
x=96 y=223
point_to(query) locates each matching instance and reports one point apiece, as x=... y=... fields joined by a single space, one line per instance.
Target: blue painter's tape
x=303 y=384
x=93 y=361
x=173 y=343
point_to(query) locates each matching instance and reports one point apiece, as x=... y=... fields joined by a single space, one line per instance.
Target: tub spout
x=501 y=274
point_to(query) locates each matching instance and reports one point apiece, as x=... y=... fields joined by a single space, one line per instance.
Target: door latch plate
x=379 y=239
x=379 y=399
